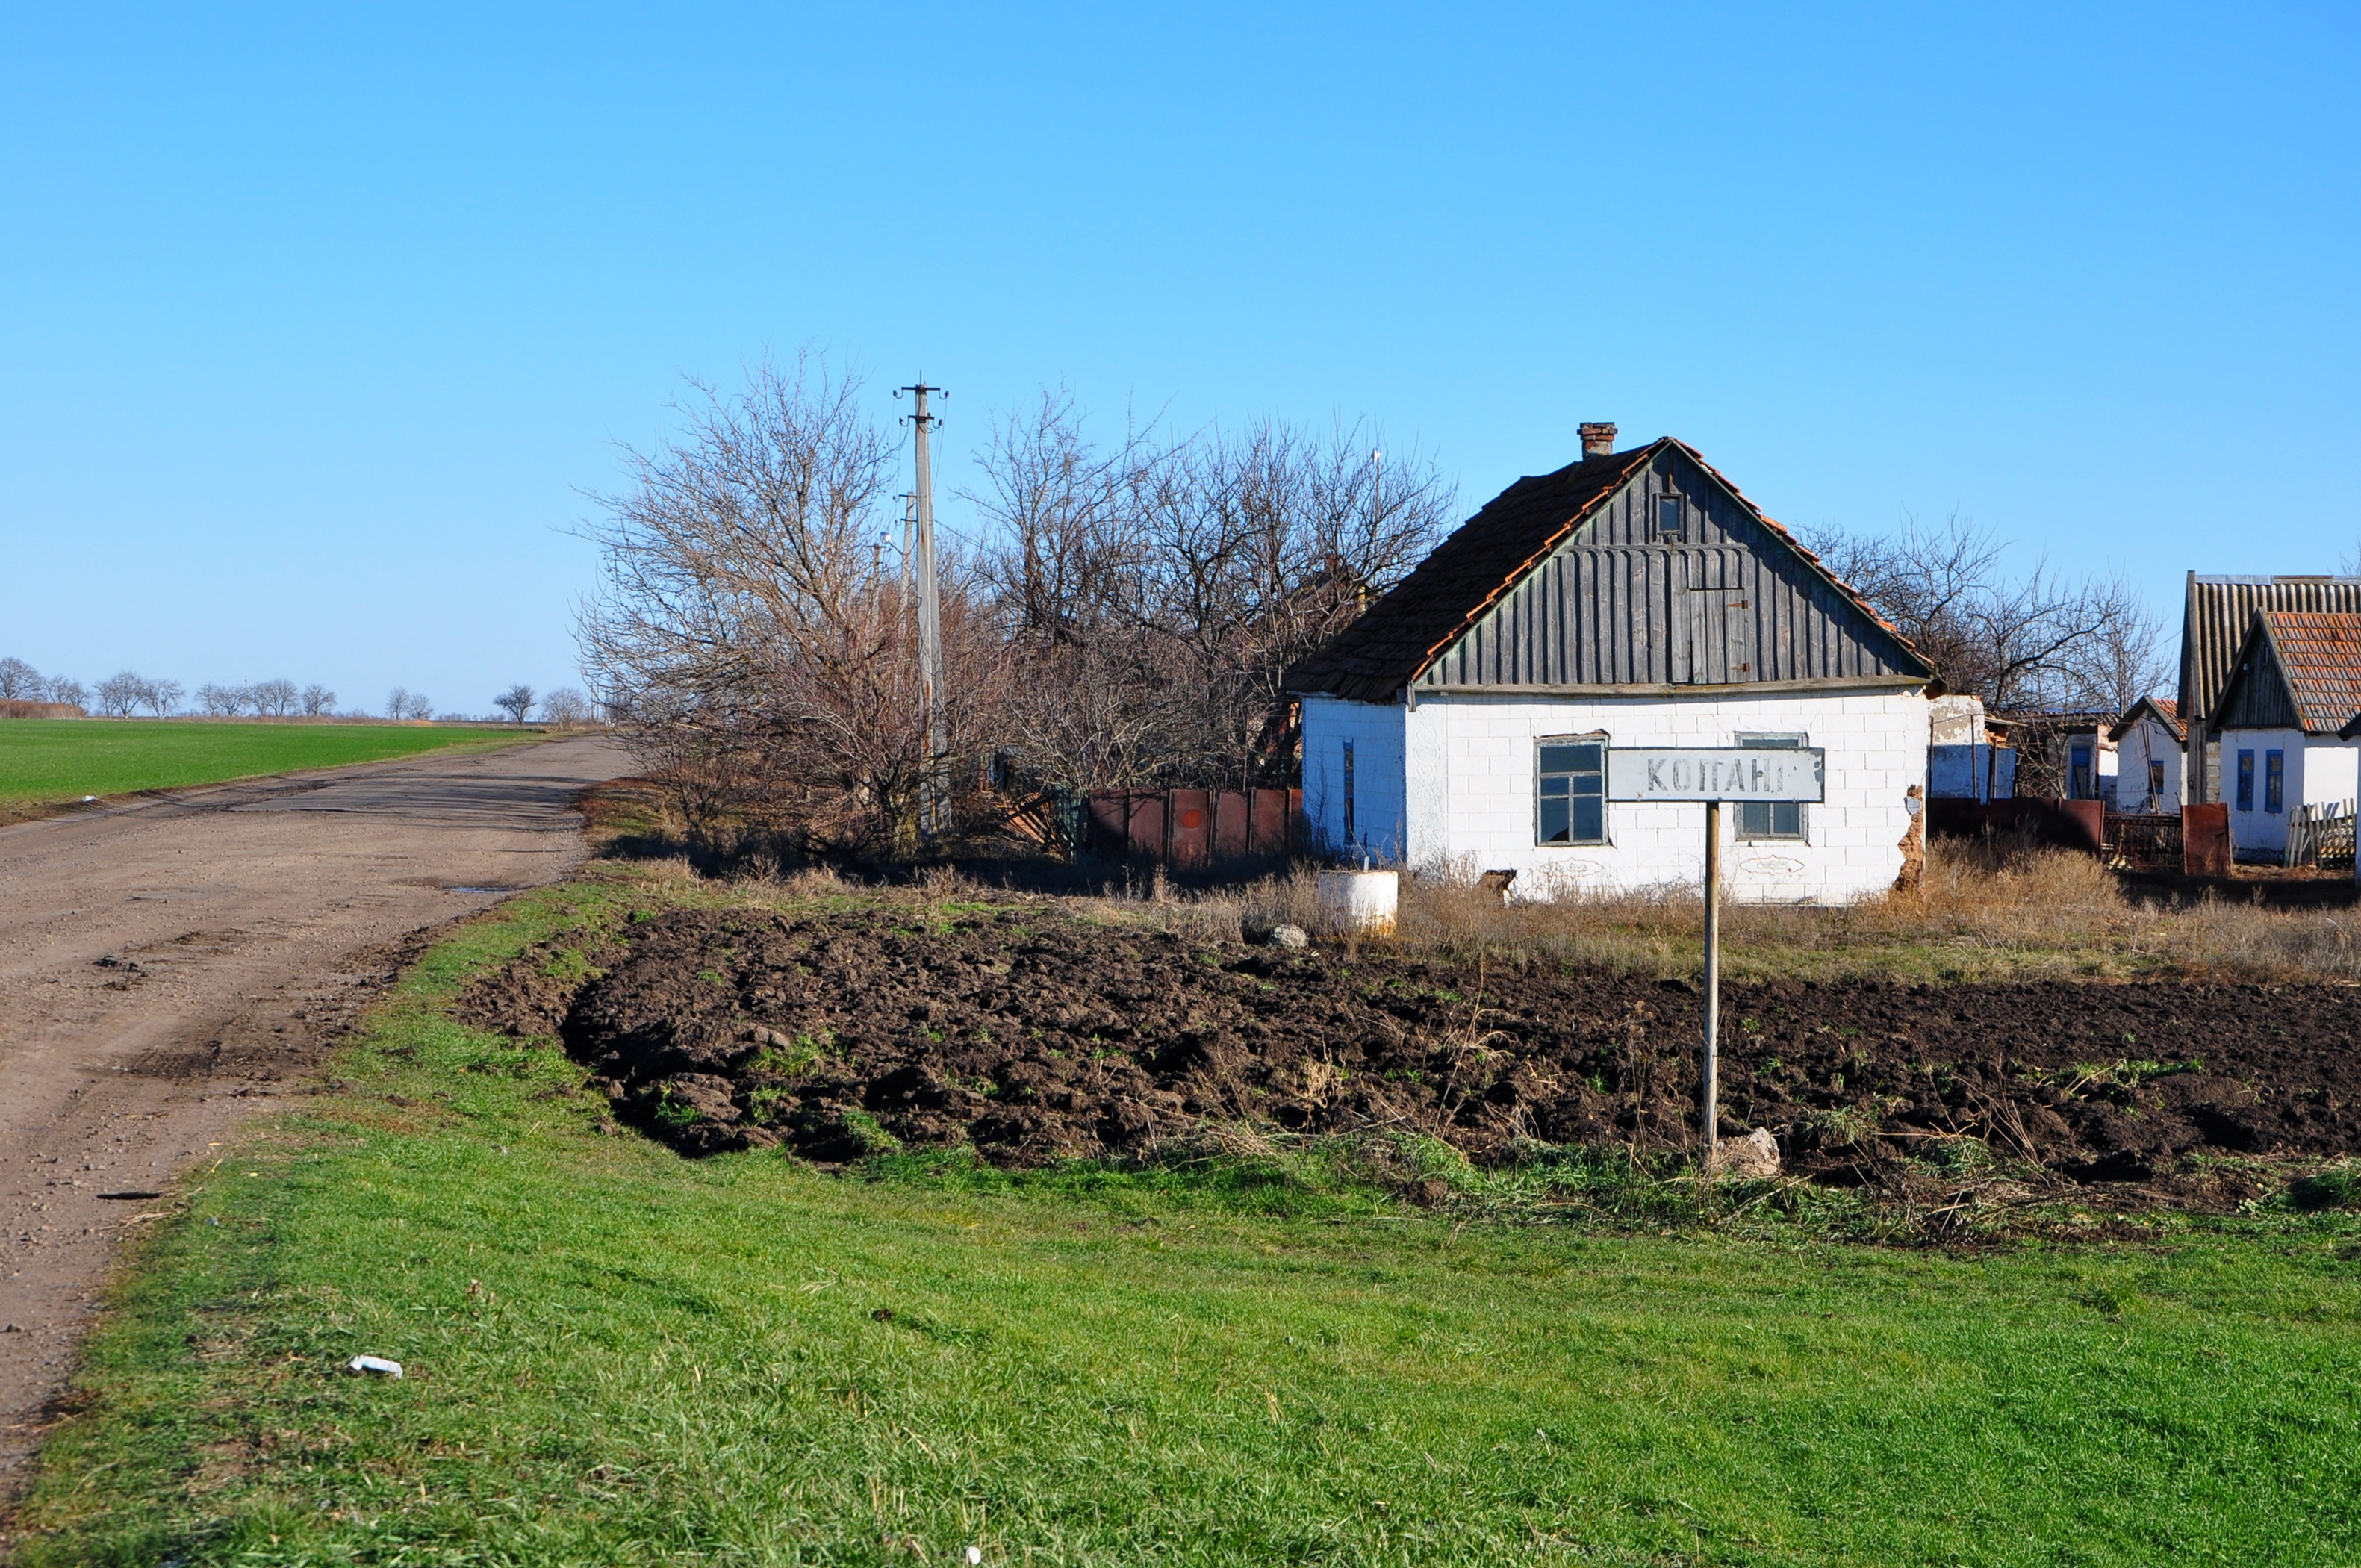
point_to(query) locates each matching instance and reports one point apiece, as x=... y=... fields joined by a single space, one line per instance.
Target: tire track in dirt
x=168 y=965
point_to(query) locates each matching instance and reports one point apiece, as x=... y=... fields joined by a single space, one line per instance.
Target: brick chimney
x=1597 y=439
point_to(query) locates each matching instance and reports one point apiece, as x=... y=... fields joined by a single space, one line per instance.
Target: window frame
x=1772 y=741
x=2246 y=778
x=2275 y=781
x=1606 y=838
x=1675 y=503
x=2155 y=780
x=1350 y=838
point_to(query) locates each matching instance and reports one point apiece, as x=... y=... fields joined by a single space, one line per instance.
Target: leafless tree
x=68 y=690
x=317 y=700
x=516 y=702
x=121 y=694
x=2034 y=642
x=21 y=681
x=221 y=701
x=1156 y=593
x=274 y=699
x=747 y=625
x=162 y=697
x=565 y=707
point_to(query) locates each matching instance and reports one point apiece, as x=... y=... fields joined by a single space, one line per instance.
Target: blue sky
x=316 y=323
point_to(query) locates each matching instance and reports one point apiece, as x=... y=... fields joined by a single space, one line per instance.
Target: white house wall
x=2320 y=768
x=1464 y=799
x=2148 y=740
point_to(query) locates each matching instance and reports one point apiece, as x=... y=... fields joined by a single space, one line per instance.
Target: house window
x=2274 y=781
x=2078 y=786
x=1349 y=833
x=1772 y=819
x=2155 y=781
x=1669 y=521
x=2245 y=781
x=1571 y=792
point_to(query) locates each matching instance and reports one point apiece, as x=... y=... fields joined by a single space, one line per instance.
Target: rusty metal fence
x=1172 y=827
x=2140 y=842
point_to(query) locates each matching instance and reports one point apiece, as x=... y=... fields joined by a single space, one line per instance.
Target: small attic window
x=1669 y=522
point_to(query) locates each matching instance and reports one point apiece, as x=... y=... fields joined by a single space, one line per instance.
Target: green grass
x=617 y=1357
x=50 y=760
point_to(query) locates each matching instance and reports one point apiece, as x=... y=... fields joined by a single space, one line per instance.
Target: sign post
x=1748 y=774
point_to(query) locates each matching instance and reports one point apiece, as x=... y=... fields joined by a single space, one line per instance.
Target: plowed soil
x=1037 y=1037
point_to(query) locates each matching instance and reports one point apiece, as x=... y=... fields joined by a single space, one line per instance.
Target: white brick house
x=1633 y=598
x=2286 y=723
x=2151 y=758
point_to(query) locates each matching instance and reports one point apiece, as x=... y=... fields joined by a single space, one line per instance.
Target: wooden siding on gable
x=1724 y=603
x=2258 y=697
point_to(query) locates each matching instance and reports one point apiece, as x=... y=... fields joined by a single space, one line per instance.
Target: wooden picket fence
x=2321 y=835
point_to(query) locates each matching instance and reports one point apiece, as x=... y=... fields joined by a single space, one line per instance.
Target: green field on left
x=48 y=761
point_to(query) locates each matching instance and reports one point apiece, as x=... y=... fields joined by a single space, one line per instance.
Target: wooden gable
x=1625 y=605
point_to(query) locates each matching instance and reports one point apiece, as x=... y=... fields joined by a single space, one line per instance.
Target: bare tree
x=67 y=690
x=121 y=694
x=162 y=697
x=21 y=681
x=221 y=701
x=516 y=702
x=1157 y=594
x=274 y=699
x=317 y=700
x=746 y=622
x=565 y=707
x=2035 y=642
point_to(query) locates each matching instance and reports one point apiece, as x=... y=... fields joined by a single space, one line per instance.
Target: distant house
x=2063 y=753
x=1968 y=756
x=2293 y=690
x=2149 y=756
x=1632 y=598
x=2218 y=615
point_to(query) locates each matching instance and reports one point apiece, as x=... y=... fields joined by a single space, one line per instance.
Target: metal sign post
x=1746 y=774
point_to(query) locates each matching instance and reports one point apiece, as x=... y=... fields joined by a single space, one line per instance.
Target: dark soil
x=1036 y=1037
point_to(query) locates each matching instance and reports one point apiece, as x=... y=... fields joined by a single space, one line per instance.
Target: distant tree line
x=1123 y=618
x=128 y=694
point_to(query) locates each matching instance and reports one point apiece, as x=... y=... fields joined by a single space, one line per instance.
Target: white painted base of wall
x=1449 y=788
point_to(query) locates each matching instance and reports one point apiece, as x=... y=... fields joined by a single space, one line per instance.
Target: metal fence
x=2321 y=835
x=2142 y=842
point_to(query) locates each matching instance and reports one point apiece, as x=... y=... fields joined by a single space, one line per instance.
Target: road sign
x=1713 y=775
x=1716 y=772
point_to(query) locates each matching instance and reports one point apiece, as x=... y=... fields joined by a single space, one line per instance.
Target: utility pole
x=933 y=809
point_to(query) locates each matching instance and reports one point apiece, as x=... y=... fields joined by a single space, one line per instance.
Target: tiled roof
x=2219 y=612
x=2321 y=654
x=2167 y=712
x=1387 y=648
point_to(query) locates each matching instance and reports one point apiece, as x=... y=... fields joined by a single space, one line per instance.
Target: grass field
x=618 y=1356
x=44 y=761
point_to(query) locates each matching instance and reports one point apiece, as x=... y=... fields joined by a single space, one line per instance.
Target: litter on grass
x=376 y=1364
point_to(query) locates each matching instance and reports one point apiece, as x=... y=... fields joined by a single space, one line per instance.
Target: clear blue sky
x=315 y=323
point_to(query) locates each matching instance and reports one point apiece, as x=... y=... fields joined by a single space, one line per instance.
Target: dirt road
x=162 y=965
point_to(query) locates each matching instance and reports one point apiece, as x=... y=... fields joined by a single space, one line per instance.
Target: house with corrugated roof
x=1630 y=598
x=2151 y=753
x=2218 y=614
x=2283 y=721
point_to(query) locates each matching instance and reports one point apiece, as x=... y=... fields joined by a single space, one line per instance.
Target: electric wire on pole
x=934 y=809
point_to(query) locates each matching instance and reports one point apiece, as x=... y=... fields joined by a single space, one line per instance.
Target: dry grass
x=1982 y=914
x=1988 y=911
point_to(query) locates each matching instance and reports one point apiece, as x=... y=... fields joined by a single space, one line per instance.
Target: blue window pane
x=1589 y=819
x=1554 y=821
x=1561 y=759
x=2245 y=781
x=2274 y=780
x=1554 y=784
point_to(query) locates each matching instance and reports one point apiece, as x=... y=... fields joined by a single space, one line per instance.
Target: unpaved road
x=164 y=964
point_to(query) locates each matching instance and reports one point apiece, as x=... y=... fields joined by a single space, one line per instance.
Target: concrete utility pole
x=933 y=809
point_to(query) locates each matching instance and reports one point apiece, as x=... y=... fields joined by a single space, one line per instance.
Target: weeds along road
x=164 y=964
